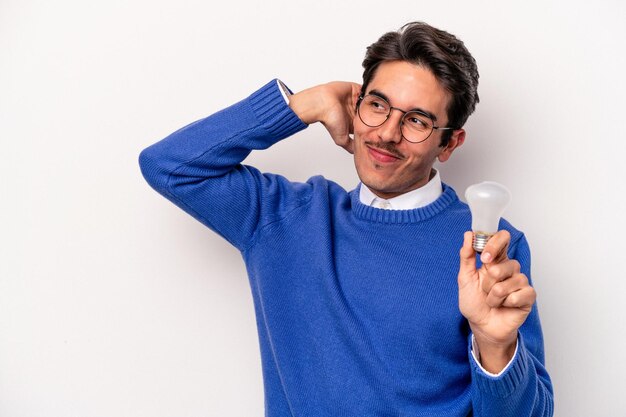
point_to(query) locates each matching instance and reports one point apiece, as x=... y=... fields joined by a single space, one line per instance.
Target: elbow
x=152 y=170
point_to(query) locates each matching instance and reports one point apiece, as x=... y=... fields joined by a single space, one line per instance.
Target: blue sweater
x=356 y=307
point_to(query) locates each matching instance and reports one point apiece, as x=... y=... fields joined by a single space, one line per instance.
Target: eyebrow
x=416 y=109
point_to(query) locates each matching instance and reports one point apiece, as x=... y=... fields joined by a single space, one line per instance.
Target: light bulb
x=487 y=202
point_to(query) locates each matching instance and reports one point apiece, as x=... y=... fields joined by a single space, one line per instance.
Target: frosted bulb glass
x=487 y=202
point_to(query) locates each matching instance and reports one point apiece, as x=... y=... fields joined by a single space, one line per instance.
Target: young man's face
x=385 y=162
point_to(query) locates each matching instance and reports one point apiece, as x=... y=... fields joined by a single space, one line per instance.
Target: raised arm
x=199 y=166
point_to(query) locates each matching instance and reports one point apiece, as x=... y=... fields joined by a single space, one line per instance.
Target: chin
x=381 y=187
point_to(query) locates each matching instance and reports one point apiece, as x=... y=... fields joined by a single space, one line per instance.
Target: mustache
x=387 y=147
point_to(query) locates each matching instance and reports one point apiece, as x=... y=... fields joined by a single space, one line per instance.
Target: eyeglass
x=416 y=126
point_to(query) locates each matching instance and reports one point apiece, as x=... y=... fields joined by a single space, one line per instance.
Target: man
x=364 y=304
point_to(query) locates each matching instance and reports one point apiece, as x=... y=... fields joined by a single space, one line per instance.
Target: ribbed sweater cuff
x=273 y=113
x=505 y=384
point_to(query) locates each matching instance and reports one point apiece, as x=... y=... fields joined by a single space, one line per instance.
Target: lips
x=381 y=155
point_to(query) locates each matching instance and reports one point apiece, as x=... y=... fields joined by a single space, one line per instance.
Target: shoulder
x=324 y=188
x=287 y=194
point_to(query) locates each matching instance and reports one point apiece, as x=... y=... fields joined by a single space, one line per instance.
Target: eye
x=376 y=104
x=417 y=121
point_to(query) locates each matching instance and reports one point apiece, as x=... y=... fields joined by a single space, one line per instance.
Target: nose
x=390 y=131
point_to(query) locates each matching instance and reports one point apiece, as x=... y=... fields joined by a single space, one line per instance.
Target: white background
x=113 y=302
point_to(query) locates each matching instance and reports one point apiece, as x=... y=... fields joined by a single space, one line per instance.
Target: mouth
x=383 y=155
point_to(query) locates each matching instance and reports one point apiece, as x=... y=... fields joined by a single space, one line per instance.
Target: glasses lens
x=416 y=127
x=373 y=110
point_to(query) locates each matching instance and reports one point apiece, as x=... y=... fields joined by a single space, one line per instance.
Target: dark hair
x=440 y=52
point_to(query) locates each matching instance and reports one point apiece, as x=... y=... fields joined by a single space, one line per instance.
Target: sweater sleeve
x=524 y=389
x=199 y=167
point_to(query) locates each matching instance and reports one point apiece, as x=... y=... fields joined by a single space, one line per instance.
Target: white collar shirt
x=417 y=198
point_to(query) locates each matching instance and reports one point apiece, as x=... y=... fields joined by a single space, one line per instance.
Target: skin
x=385 y=162
x=495 y=298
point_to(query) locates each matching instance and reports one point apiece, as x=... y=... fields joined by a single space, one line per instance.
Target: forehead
x=410 y=86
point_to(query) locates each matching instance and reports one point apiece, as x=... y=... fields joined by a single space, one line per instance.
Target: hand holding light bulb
x=496 y=298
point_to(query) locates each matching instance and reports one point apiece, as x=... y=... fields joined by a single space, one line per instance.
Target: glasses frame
x=404 y=113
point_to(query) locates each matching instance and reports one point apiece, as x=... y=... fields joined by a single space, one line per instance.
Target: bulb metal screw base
x=480 y=240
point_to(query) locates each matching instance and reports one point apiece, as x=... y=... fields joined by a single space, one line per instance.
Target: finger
x=341 y=138
x=503 y=289
x=523 y=298
x=498 y=272
x=502 y=270
x=496 y=248
x=467 y=256
x=349 y=145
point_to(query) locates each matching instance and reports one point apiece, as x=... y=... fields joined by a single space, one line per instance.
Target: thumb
x=350 y=145
x=467 y=256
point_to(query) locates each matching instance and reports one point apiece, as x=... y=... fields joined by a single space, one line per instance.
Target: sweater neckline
x=377 y=215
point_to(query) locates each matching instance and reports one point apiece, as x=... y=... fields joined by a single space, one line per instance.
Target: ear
x=457 y=139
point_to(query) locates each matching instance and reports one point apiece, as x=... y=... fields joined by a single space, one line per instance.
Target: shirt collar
x=420 y=197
